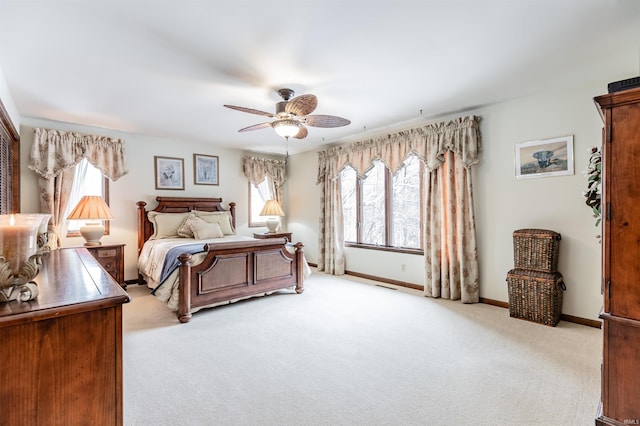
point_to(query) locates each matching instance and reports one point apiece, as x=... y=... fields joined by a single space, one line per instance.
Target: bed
x=218 y=269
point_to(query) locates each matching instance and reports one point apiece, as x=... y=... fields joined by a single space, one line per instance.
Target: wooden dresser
x=62 y=352
x=620 y=403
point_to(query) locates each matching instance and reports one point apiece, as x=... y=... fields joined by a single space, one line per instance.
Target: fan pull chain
x=286 y=157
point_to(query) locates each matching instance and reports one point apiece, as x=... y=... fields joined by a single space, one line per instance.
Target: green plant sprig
x=594 y=179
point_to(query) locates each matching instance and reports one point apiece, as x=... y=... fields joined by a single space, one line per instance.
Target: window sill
x=384 y=248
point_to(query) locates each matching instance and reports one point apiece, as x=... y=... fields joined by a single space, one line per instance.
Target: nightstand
x=265 y=235
x=111 y=257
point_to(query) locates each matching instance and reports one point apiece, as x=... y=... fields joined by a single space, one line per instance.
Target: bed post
x=184 y=301
x=299 y=268
x=141 y=222
x=232 y=209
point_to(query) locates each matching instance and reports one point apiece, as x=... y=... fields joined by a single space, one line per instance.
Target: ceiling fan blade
x=302 y=133
x=256 y=127
x=325 y=121
x=302 y=105
x=250 y=110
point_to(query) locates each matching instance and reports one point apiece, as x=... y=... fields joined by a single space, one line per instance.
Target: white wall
x=139 y=183
x=502 y=203
x=304 y=202
x=7 y=101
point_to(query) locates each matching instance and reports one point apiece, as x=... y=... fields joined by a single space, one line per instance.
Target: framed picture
x=169 y=172
x=548 y=157
x=205 y=169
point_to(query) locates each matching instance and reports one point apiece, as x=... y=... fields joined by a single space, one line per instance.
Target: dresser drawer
x=111 y=257
x=105 y=253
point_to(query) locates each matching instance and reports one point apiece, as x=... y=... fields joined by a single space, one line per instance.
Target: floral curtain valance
x=256 y=168
x=429 y=143
x=54 y=151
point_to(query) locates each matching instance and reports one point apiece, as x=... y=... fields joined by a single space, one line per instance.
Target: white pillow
x=221 y=218
x=165 y=225
x=204 y=230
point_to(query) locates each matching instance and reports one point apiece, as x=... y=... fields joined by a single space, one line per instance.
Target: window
x=6 y=175
x=381 y=210
x=407 y=205
x=348 y=185
x=372 y=206
x=257 y=197
x=9 y=164
x=88 y=180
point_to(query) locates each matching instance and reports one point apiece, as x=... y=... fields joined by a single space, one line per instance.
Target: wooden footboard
x=236 y=270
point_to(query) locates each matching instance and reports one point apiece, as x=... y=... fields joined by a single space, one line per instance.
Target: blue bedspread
x=171 y=261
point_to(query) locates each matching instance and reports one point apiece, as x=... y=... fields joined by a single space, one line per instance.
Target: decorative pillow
x=185 y=230
x=204 y=230
x=165 y=225
x=221 y=218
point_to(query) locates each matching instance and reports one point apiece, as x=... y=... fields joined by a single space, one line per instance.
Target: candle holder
x=43 y=229
x=20 y=256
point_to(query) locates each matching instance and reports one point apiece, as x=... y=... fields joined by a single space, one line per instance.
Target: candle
x=18 y=238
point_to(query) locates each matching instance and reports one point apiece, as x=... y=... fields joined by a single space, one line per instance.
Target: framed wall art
x=169 y=172
x=542 y=158
x=205 y=169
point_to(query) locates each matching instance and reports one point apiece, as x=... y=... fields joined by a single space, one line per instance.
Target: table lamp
x=93 y=210
x=272 y=211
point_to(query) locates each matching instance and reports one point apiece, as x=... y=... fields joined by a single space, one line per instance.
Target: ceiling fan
x=291 y=116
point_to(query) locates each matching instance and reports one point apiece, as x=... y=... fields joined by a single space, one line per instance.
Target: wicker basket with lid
x=536 y=249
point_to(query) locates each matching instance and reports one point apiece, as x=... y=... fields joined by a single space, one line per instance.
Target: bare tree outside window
x=406 y=205
x=373 y=201
x=382 y=210
x=348 y=185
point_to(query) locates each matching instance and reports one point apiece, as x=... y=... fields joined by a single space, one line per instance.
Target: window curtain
x=55 y=154
x=256 y=169
x=331 y=240
x=266 y=189
x=449 y=150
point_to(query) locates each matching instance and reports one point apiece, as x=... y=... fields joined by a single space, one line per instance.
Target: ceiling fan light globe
x=286 y=128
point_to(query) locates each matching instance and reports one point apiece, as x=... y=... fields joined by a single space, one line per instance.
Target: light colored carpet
x=347 y=352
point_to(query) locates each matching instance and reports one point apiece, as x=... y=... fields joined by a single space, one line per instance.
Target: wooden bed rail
x=235 y=270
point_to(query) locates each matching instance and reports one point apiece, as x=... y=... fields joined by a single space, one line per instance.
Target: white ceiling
x=165 y=68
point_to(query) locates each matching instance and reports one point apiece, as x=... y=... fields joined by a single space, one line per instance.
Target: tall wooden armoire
x=620 y=403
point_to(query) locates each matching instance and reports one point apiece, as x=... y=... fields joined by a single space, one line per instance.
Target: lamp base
x=92 y=243
x=272 y=224
x=92 y=232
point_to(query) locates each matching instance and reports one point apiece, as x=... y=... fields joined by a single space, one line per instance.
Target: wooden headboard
x=177 y=205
